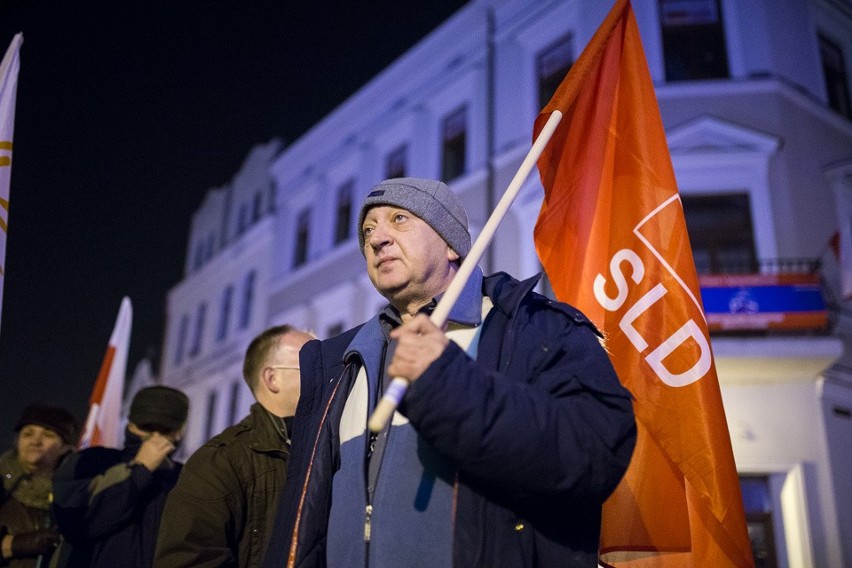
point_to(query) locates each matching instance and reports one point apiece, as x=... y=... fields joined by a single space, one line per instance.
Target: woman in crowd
x=45 y=434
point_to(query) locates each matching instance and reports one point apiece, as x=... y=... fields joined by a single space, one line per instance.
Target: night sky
x=128 y=112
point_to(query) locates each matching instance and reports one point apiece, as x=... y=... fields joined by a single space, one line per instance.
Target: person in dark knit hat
x=45 y=435
x=108 y=502
x=512 y=433
x=159 y=409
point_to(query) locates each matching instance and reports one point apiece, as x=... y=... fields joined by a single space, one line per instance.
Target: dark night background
x=127 y=113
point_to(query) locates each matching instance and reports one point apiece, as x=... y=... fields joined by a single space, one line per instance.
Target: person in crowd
x=108 y=502
x=512 y=433
x=222 y=509
x=45 y=435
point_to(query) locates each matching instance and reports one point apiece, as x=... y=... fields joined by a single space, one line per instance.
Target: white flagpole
x=396 y=390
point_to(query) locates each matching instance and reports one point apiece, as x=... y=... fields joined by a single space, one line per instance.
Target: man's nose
x=379 y=237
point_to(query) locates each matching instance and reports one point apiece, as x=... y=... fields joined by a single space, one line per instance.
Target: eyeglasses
x=283 y=367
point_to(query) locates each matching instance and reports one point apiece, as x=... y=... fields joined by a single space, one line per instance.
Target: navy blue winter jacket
x=539 y=427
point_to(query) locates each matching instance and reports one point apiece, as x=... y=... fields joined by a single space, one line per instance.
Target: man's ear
x=270 y=380
x=452 y=255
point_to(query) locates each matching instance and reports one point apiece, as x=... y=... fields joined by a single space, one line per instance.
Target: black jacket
x=108 y=510
x=539 y=426
x=223 y=506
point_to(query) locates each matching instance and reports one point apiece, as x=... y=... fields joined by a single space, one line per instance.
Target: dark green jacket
x=24 y=505
x=223 y=506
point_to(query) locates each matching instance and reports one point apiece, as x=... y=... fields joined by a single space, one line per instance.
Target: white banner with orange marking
x=8 y=92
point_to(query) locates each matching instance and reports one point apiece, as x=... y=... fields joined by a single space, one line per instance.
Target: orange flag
x=612 y=238
x=103 y=424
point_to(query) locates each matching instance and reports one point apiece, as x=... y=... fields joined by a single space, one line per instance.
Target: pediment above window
x=710 y=135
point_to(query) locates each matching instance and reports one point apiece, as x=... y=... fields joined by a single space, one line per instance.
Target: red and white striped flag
x=8 y=93
x=103 y=424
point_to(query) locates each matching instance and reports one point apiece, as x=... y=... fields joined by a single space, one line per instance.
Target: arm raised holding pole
x=398 y=386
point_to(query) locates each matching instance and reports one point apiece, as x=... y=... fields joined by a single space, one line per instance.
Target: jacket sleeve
x=556 y=425
x=90 y=505
x=202 y=518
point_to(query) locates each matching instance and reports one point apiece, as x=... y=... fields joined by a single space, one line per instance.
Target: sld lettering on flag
x=684 y=356
x=612 y=238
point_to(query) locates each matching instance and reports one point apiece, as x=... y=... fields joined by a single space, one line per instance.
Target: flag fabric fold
x=612 y=238
x=8 y=94
x=103 y=424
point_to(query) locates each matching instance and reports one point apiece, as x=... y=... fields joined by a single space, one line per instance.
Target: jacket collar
x=506 y=292
x=466 y=311
x=269 y=433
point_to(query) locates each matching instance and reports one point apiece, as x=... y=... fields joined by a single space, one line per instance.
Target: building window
x=257 y=207
x=721 y=234
x=396 y=161
x=551 y=67
x=300 y=253
x=211 y=245
x=270 y=198
x=693 y=40
x=200 y=315
x=183 y=329
x=248 y=299
x=242 y=219
x=225 y=313
x=198 y=259
x=836 y=80
x=335 y=329
x=757 y=501
x=343 y=222
x=454 y=145
x=234 y=403
x=210 y=422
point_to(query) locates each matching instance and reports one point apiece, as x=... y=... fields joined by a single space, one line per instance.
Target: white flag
x=8 y=89
x=103 y=424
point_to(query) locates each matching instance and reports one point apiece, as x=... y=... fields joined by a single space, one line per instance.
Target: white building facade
x=754 y=95
x=220 y=305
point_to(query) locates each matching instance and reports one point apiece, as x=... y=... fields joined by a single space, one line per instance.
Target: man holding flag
x=513 y=432
x=612 y=238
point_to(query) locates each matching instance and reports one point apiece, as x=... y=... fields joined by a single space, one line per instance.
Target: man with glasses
x=223 y=507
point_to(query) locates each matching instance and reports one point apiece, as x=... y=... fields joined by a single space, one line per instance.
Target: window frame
x=687 y=40
x=455 y=126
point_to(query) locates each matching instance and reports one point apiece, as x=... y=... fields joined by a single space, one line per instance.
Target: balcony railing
x=774 y=295
x=765 y=266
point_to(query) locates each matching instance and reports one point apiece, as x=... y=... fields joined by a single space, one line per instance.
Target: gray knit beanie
x=429 y=199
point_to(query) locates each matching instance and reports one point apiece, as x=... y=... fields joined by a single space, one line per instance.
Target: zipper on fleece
x=372 y=468
x=367 y=523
